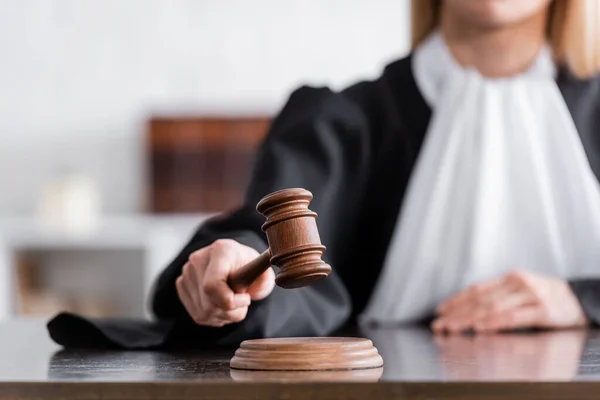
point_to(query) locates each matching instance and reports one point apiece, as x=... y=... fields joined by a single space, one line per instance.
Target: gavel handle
x=241 y=279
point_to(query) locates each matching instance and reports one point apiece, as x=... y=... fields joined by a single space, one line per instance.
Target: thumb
x=263 y=285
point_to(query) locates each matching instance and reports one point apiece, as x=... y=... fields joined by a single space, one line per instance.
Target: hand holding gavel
x=219 y=281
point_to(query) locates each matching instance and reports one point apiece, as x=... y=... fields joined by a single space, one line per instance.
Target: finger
x=199 y=259
x=521 y=278
x=220 y=317
x=221 y=260
x=452 y=325
x=187 y=300
x=494 y=305
x=190 y=286
x=197 y=268
x=216 y=296
x=498 y=299
x=195 y=276
x=478 y=304
x=465 y=296
x=193 y=273
x=505 y=302
x=263 y=286
x=521 y=317
x=231 y=316
x=473 y=294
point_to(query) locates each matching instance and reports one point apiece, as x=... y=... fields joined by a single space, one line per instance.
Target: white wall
x=79 y=77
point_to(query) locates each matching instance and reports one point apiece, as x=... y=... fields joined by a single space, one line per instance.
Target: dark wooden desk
x=417 y=366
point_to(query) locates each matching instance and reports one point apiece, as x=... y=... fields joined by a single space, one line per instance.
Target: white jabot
x=502 y=182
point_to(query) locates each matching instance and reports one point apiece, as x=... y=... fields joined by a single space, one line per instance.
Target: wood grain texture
x=300 y=391
x=294 y=243
x=306 y=354
x=293 y=237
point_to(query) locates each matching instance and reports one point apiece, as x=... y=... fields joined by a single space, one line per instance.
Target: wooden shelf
x=201 y=164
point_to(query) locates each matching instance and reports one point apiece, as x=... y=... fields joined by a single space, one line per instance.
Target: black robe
x=355 y=150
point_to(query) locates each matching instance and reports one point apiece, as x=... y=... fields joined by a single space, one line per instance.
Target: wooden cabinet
x=201 y=164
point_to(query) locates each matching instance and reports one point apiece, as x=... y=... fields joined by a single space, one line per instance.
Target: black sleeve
x=583 y=99
x=587 y=292
x=320 y=141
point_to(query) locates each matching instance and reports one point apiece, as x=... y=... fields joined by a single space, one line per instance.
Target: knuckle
x=518 y=276
x=179 y=284
x=217 y=297
x=186 y=269
x=226 y=303
x=196 y=257
x=537 y=297
x=182 y=291
x=222 y=244
x=544 y=311
x=210 y=287
x=478 y=289
x=202 y=316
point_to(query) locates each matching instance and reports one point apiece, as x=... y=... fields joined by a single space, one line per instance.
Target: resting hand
x=517 y=300
x=203 y=289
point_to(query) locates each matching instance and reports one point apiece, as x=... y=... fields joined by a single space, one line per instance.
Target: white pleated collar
x=434 y=65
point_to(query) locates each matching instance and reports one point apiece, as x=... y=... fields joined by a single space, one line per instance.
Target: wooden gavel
x=294 y=243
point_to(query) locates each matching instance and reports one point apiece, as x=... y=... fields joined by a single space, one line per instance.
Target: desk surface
x=417 y=365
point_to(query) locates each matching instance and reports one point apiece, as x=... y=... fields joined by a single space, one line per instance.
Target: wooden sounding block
x=306 y=354
x=295 y=247
x=348 y=375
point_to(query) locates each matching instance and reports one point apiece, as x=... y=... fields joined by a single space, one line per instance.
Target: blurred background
x=125 y=123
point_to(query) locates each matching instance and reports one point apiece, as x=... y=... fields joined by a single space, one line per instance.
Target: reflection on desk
x=416 y=354
x=417 y=365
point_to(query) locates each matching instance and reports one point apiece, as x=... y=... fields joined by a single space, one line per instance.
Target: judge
x=459 y=188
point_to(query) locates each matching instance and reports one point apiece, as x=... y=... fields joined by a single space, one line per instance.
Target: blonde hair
x=573 y=31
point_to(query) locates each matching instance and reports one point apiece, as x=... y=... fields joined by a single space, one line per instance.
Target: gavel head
x=293 y=238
